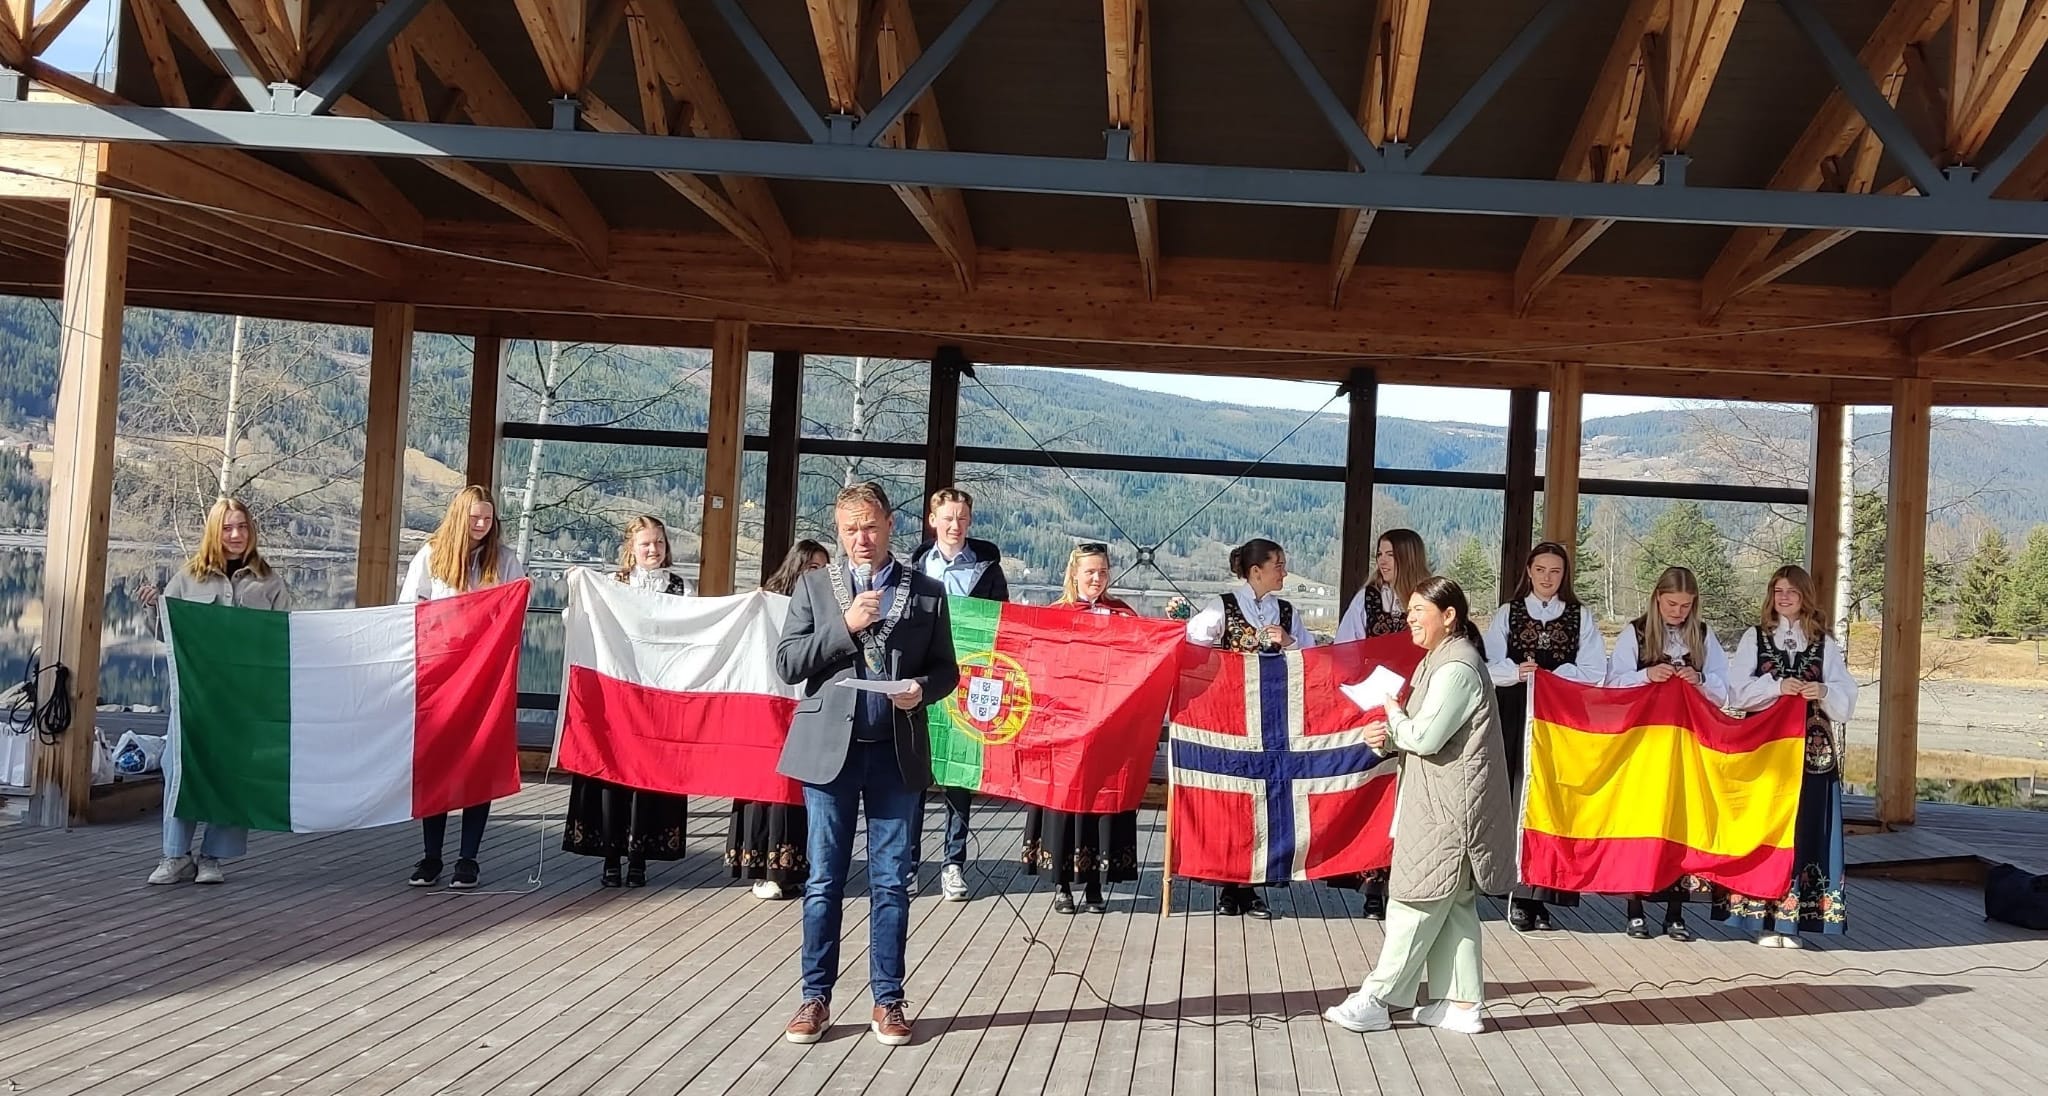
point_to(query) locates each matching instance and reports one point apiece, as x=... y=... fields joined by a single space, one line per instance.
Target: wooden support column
x=81 y=499
x=942 y=422
x=724 y=439
x=1561 y=454
x=1905 y=583
x=785 y=428
x=384 y=454
x=1518 y=518
x=1357 y=543
x=486 y=411
x=1827 y=495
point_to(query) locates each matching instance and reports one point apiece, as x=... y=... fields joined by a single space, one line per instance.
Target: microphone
x=863 y=574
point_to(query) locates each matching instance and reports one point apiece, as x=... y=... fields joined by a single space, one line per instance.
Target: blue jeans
x=871 y=775
x=956 y=801
x=222 y=842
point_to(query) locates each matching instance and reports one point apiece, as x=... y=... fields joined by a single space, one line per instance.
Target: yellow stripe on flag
x=1660 y=782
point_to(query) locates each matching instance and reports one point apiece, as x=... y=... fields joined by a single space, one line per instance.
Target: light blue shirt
x=958 y=574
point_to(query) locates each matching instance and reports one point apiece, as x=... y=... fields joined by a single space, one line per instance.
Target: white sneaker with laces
x=1470 y=1020
x=1360 y=1012
x=768 y=890
x=209 y=871
x=173 y=869
x=953 y=883
x=1769 y=940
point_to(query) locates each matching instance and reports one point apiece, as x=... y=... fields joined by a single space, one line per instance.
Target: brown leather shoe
x=891 y=1029
x=809 y=1024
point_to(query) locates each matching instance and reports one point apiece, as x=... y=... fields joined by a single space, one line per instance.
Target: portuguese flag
x=345 y=718
x=1056 y=708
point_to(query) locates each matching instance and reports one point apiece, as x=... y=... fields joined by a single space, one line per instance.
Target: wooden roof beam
x=660 y=34
x=941 y=211
x=1826 y=140
x=1127 y=53
x=163 y=60
x=439 y=39
x=1600 y=148
x=1385 y=104
x=698 y=191
x=17 y=27
x=56 y=16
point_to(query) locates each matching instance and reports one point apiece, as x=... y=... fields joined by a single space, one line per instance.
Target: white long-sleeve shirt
x=1352 y=625
x=1622 y=670
x=1754 y=691
x=421 y=585
x=1589 y=665
x=1206 y=627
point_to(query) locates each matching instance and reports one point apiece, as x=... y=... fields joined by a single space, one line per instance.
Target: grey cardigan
x=1454 y=806
x=244 y=589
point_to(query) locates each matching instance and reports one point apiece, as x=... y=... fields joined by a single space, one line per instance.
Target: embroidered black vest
x=1549 y=644
x=1378 y=620
x=1240 y=634
x=1646 y=658
x=1806 y=665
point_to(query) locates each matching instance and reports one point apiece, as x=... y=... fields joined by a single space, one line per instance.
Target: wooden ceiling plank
x=689 y=81
x=698 y=191
x=834 y=25
x=544 y=26
x=2003 y=274
x=1127 y=54
x=647 y=79
x=273 y=45
x=1599 y=148
x=439 y=39
x=56 y=17
x=163 y=60
x=365 y=183
x=941 y=211
x=405 y=78
x=1997 y=79
x=1385 y=106
x=1834 y=127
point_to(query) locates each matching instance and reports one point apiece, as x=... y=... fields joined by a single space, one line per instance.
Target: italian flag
x=345 y=718
x=1055 y=708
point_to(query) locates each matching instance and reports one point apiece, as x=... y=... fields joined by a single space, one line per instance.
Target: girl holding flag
x=465 y=553
x=1791 y=653
x=1669 y=641
x=1089 y=847
x=1543 y=627
x=1250 y=617
x=226 y=570
x=612 y=820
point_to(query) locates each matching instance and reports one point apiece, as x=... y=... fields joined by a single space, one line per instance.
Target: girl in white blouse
x=1381 y=607
x=1790 y=654
x=1543 y=627
x=1669 y=641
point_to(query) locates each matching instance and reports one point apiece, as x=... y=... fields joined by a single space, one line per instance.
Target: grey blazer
x=817 y=650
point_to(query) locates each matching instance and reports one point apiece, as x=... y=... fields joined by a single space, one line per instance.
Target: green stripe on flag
x=234 y=705
x=956 y=754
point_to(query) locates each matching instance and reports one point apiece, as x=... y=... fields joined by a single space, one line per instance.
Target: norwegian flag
x=1272 y=778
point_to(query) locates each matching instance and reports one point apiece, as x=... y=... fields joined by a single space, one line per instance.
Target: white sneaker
x=173 y=869
x=953 y=883
x=910 y=885
x=209 y=871
x=1790 y=942
x=1360 y=1012
x=1470 y=1020
x=1769 y=940
x=767 y=890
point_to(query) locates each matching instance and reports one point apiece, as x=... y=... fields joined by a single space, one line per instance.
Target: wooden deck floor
x=314 y=972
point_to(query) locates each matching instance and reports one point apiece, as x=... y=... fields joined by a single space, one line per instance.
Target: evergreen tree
x=1587 y=568
x=2024 y=609
x=1474 y=571
x=1982 y=591
x=1866 y=556
x=1940 y=592
x=1683 y=537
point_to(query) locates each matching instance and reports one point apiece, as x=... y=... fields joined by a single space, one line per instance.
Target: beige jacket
x=1453 y=806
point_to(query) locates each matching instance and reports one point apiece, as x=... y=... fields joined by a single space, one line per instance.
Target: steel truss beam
x=366 y=47
x=1962 y=211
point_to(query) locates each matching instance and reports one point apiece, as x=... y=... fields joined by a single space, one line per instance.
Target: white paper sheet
x=886 y=688
x=1373 y=693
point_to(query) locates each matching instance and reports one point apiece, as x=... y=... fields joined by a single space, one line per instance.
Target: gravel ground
x=2004 y=720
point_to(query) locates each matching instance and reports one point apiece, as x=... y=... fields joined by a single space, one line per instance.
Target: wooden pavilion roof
x=1285 y=291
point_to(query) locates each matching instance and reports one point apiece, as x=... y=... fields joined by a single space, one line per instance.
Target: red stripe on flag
x=1633 y=865
x=465 y=747
x=1218 y=848
x=723 y=744
x=1673 y=703
x=1325 y=668
x=1350 y=832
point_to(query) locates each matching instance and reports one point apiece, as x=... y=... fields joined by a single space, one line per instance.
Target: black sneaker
x=1255 y=906
x=1679 y=931
x=1063 y=901
x=425 y=874
x=464 y=877
x=1638 y=929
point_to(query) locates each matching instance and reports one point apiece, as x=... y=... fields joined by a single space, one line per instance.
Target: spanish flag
x=1629 y=790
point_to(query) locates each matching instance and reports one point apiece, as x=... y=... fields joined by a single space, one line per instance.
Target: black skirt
x=608 y=819
x=769 y=841
x=1074 y=847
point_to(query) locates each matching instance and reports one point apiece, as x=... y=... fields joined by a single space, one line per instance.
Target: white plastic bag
x=136 y=754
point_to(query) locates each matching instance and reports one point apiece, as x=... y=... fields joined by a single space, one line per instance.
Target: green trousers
x=1438 y=939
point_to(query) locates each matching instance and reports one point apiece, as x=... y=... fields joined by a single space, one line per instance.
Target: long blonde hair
x=1411 y=564
x=1070 y=591
x=1656 y=635
x=211 y=560
x=1813 y=620
x=644 y=521
x=449 y=546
